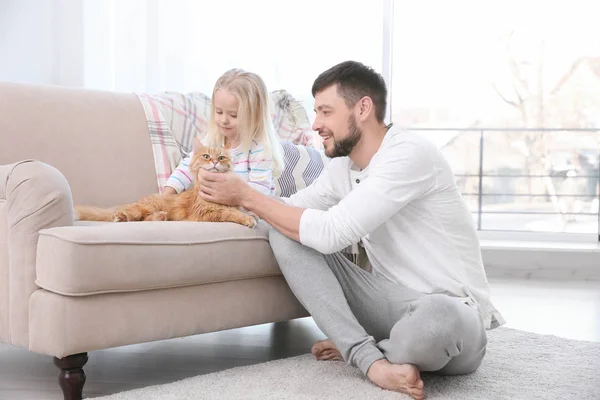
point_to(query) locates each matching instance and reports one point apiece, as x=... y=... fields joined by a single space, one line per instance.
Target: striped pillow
x=302 y=166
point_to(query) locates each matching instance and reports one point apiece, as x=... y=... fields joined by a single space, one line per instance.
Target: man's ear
x=198 y=146
x=365 y=108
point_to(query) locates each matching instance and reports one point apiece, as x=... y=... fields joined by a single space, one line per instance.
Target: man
x=425 y=305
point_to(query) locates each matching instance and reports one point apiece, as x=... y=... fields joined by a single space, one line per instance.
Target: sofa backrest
x=97 y=139
x=100 y=140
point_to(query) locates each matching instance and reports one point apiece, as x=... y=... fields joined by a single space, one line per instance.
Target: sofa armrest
x=33 y=196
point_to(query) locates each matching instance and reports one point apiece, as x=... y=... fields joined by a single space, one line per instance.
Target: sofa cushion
x=123 y=257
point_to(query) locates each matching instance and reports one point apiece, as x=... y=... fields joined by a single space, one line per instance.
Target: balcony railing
x=526 y=179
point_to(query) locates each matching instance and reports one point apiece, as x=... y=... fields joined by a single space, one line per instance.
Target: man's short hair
x=355 y=80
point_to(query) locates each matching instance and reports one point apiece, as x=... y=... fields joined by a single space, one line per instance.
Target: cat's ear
x=198 y=146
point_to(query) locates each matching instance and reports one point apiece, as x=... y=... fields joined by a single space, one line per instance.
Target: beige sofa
x=67 y=289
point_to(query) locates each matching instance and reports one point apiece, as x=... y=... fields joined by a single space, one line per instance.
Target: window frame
x=486 y=235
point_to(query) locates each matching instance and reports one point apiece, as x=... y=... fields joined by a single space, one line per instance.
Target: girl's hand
x=168 y=190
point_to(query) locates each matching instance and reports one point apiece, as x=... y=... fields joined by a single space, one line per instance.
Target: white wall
x=29 y=30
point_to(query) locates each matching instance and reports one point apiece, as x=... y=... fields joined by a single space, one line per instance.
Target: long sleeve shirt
x=409 y=214
x=253 y=166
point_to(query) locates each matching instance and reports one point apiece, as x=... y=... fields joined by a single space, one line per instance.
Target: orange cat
x=186 y=206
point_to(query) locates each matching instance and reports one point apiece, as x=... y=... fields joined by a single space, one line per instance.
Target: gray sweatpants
x=370 y=318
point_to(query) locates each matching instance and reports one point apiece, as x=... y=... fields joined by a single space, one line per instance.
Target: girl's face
x=226 y=113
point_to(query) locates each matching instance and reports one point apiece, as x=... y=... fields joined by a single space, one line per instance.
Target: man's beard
x=343 y=147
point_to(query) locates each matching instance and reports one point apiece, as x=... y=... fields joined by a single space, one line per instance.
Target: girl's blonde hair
x=254 y=115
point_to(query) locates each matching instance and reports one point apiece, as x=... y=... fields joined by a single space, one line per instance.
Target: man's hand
x=229 y=189
x=222 y=187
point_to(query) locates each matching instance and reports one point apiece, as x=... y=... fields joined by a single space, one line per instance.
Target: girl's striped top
x=253 y=166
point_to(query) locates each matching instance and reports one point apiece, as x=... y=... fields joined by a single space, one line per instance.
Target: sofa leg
x=72 y=378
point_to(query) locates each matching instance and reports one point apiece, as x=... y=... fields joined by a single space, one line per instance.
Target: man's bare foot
x=403 y=378
x=326 y=350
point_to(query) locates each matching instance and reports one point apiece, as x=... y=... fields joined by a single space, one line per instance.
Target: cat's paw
x=157 y=216
x=249 y=213
x=256 y=217
x=249 y=221
x=162 y=216
x=120 y=217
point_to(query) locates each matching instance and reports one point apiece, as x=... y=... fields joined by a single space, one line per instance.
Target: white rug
x=518 y=365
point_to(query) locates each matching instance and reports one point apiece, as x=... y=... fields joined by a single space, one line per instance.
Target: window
x=157 y=45
x=512 y=100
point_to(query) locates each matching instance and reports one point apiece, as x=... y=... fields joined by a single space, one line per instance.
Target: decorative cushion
x=302 y=166
x=290 y=119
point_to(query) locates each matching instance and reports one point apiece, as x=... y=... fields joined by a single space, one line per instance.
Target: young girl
x=240 y=121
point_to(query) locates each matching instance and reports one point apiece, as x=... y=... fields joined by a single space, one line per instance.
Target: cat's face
x=214 y=159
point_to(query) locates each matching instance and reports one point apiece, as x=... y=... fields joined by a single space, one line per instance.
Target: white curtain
x=185 y=45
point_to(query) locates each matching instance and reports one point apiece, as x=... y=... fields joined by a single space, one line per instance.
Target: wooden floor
x=568 y=309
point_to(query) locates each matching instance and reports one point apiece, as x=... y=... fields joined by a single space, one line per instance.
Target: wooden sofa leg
x=72 y=378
